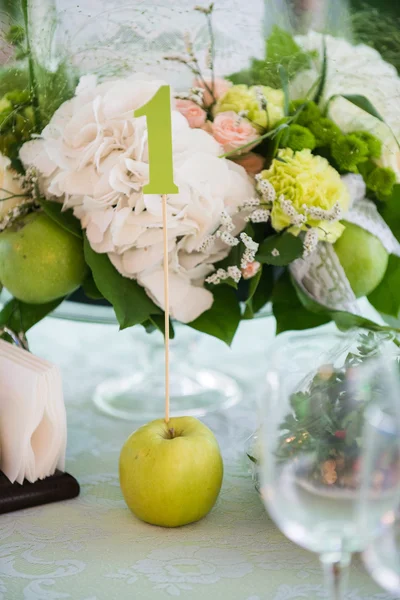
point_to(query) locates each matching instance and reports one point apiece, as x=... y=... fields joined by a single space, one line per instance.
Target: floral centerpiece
x=289 y=191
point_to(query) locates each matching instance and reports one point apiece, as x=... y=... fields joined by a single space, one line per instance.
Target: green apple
x=362 y=257
x=171 y=474
x=39 y=260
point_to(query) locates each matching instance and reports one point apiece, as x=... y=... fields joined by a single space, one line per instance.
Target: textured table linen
x=93 y=548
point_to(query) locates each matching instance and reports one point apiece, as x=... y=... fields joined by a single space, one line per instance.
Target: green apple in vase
x=39 y=260
x=363 y=258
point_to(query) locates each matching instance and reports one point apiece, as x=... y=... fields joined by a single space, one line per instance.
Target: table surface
x=93 y=548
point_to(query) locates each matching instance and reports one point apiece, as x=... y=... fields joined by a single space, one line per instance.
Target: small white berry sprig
x=224 y=233
x=297 y=219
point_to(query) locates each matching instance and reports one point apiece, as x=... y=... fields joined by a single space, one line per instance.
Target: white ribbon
x=320 y=275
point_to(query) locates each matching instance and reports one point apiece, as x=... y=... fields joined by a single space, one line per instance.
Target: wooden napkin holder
x=57 y=487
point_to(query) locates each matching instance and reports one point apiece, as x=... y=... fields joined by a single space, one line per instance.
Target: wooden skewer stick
x=166 y=303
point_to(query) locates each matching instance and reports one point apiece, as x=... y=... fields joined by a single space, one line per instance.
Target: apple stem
x=171 y=433
x=166 y=303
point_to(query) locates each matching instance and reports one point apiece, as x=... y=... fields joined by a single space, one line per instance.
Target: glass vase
x=114 y=38
x=301 y=16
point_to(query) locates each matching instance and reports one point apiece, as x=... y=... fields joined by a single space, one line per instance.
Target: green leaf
x=390 y=211
x=241 y=77
x=288 y=246
x=223 y=318
x=90 y=288
x=322 y=80
x=344 y=320
x=20 y=316
x=158 y=322
x=281 y=46
x=253 y=285
x=281 y=51
x=64 y=218
x=363 y=103
x=149 y=326
x=289 y=312
x=263 y=293
x=285 y=87
x=386 y=297
x=131 y=303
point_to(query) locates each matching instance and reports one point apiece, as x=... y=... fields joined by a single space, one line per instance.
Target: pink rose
x=195 y=115
x=253 y=163
x=221 y=86
x=232 y=131
x=251 y=270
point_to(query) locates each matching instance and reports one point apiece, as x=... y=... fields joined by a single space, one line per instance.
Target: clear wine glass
x=382 y=557
x=318 y=460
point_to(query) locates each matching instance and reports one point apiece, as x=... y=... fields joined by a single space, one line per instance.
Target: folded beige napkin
x=33 y=430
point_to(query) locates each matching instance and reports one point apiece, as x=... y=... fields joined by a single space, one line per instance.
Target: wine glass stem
x=336 y=568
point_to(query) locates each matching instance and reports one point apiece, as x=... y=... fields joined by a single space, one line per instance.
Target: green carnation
x=349 y=151
x=297 y=138
x=309 y=182
x=308 y=114
x=262 y=105
x=373 y=143
x=324 y=131
x=381 y=181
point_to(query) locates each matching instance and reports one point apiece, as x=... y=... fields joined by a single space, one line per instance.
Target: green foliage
x=289 y=312
x=288 y=247
x=344 y=320
x=13 y=79
x=325 y=131
x=15 y=35
x=326 y=418
x=90 y=288
x=390 y=211
x=17 y=122
x=379 y=29
x=65 y=219
x=361 y=102
x=374 y=144
x=223 y=318
x=381 y=181
x=322 y=80
x=386 y=297
x=297 y=138
x=158 y=322
x=282 y=52
x=20 y=316
x=131 y=303
x=309 y=112
x=260 y=291
x=349 y=151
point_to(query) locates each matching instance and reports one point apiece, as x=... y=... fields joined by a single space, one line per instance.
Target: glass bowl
x=132 y=362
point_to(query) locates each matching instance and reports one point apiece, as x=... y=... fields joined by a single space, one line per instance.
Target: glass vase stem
x=336 y=569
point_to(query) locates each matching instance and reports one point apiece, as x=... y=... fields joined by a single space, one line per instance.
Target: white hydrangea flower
x=93 y=157
x=356 y=70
